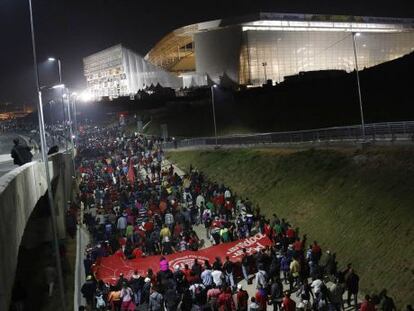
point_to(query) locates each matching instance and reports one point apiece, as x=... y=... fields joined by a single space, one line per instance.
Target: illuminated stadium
x=286 y=43
x=252 y=49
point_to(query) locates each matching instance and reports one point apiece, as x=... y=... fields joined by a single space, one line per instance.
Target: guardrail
x=386 y=131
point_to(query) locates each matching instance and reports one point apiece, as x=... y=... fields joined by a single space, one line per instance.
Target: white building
x=118 y=71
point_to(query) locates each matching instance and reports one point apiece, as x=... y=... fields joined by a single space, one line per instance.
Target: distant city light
x=51 y=59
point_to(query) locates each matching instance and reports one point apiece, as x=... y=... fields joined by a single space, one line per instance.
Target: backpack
x=171 y=298
x=100 y=302
x=156 y=301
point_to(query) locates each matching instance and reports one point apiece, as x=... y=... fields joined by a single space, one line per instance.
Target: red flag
x=131 y=174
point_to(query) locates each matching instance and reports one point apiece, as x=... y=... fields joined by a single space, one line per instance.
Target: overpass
x=20 y=191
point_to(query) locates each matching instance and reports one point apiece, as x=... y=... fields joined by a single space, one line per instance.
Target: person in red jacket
x=367 y=304
x=242 y=298
x=287 y=303
x=261 y=298
x=225 y=300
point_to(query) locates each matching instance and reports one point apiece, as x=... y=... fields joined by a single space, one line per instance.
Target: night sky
x=72 y=29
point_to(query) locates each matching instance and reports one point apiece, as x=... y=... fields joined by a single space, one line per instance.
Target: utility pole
x=46 y=163
x=361 y=110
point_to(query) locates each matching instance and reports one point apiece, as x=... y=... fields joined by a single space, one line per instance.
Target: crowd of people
x=136 y=206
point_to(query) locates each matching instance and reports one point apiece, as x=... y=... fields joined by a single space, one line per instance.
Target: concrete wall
x=218 y=54
x=20 y=190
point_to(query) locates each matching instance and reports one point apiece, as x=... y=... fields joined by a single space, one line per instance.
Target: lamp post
x=68 y=97
x=214 y=111
x=46 y=163
x=74 y=104
x=356 y=34
x=52 y=59
x=59 y=63
x=264 y=64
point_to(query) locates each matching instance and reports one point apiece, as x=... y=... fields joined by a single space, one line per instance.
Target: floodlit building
x=248 y=50
x=118 y=71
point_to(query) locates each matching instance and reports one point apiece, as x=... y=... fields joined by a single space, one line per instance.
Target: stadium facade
x=251 y=49
x=118 y=71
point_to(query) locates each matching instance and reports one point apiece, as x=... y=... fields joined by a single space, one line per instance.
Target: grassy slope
x=359 y=205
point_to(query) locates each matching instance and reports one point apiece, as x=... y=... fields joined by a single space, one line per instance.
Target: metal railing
x=386 y=131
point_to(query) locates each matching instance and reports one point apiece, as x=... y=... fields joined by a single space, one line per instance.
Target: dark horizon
x=74 y=29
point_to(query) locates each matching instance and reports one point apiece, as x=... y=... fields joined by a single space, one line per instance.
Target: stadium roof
x=175 y=51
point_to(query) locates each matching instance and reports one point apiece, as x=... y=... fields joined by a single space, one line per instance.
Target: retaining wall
x=20 y=191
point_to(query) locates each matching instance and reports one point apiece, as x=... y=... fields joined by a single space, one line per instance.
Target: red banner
x=110 y=267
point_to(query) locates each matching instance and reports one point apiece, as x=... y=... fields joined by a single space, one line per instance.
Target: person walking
x=253 y=306
x=242 y=298
x=228 y=268
x=386 y=302
x=367 y=304
x=276 y=294
x=287 y=303
x=88 y=290
x=126 y=297
x=352 y=286
x=156 y=301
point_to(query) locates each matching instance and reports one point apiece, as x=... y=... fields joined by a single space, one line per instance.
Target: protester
x=367 y=304
x=242 y=298
x=135 y=206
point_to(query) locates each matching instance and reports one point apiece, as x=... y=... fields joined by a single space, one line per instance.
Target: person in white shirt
x=218 y=277
x=253 y=306
x=200 y=201
x=316 y=286
x=93 y=210
x=100 y=218
x=194 y=287
x=122 y=223
x=206 y=276
x=227 y=194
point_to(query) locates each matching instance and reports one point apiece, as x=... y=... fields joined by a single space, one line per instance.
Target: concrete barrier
x=20 y=191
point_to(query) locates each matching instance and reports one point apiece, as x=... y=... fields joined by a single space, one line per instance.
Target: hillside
x=357 y=204
x=312 y=100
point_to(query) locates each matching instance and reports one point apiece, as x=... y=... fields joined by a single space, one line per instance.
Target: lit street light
x=357 y=34
x=58 y=86
x=86 y=96
x=46 y=163
x=52 y=59
x=61 y=85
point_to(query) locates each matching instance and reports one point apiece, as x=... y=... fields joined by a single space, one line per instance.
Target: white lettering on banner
x=188 y=259
x=250 y=244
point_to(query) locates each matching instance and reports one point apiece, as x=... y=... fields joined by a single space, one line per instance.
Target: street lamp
x=357 y=34
x=264 y=64
x=52 y=59
x=74 y=105
x=59 y=63
x=214 y=111
x=46 y=163
x=86 y=96
x=67 y=96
